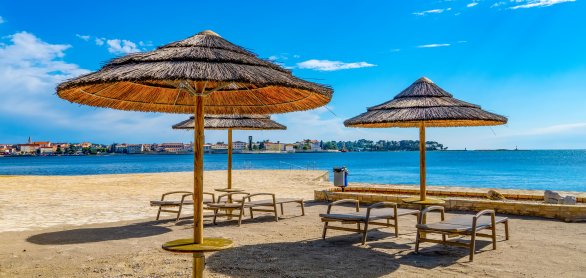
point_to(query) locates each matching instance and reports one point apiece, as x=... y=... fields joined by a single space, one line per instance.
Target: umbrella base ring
x=186 y=245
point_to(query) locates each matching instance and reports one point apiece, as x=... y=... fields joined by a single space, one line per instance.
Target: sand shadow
x=433 y=255
x=337 y=257
x=88 y=235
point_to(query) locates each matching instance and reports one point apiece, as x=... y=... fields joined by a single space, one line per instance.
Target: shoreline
x=357 y=183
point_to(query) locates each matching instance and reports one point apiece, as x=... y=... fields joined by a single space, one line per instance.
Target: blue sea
x=554 y=169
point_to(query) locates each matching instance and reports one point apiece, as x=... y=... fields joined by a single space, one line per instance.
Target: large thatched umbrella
x=424 y=104
x=231 y=122
x=204 y=70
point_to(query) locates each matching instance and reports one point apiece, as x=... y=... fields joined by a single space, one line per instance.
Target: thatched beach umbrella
x=424 y=104
x=204 y=70
x=231 y=122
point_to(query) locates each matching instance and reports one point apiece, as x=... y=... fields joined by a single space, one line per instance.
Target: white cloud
x=434 y=11
x=470 y=5
x=2 y=20
x=83 y=37
x=327 y=65
x=537 y=3
x=30 y=69
x=572 y=128
x=283 y=57
x=433 y=45
x=117 y=46
x=498 y=4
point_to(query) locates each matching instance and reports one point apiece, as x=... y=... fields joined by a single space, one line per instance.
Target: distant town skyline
x=522 y=59
x=47 y=147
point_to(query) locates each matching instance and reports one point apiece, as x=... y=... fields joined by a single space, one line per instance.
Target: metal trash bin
x=341 y=177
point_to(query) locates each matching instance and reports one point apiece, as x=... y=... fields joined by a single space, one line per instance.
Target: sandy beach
x=102 y=226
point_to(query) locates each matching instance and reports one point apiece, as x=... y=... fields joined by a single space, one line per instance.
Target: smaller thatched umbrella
x=230 y=122
x=424 y=104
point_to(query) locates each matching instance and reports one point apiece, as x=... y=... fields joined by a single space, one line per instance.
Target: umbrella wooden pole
x=198 y=138
x=229 y=158
x=422 y=188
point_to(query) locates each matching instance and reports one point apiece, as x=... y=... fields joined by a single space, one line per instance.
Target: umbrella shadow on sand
x=87 y=235
x=431 y=256
x=340 y=256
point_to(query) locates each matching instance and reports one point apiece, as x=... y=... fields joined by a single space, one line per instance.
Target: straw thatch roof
x=236 y=80
x=425 y=102
x=249 y=122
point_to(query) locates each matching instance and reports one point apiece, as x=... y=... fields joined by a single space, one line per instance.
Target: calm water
x=559 y=170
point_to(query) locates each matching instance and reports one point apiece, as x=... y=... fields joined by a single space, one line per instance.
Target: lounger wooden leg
x=493 y=237
x=282 y=210
x=365 y=232
x=240 y=217
x=159 y=213
x=423 y=221
x=179 y=213
x=396 y=226
x=276 y=213
x=417 y=239
x=302 y=209
x=507 y=229
x=323 y=235
x=472 y=245
x=251 y=215
x=215 y=216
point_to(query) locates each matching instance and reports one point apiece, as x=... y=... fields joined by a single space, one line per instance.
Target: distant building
x=120 y=148
x=309 y=145
x=134 y=148
x=6 y=149
x=47 y=150
x=238 y=145
x=43 y=143
x=61 y=145
x=188 y=147
x=275 y=147
x=207 y=148
x=86 y=145
x=171 y=147
x=314 y=144
x=289 y=147
x=27 y=148
x=219 y=147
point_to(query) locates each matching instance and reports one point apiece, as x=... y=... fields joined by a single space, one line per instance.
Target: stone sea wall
x=516 y=204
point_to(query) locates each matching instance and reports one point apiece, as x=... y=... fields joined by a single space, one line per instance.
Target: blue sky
x=523 y=59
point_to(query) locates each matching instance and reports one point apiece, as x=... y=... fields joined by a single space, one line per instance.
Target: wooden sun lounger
x=247 y=202
x=165 y=205
x=465 y=225
x=379 y=211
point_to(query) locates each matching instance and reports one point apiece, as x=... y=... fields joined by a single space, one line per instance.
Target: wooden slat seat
x=247 y=202
x=374 y=215
x=171 y=203
x=380 y=211
x=186 y=200
x=462 y=224
x=465 y=225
